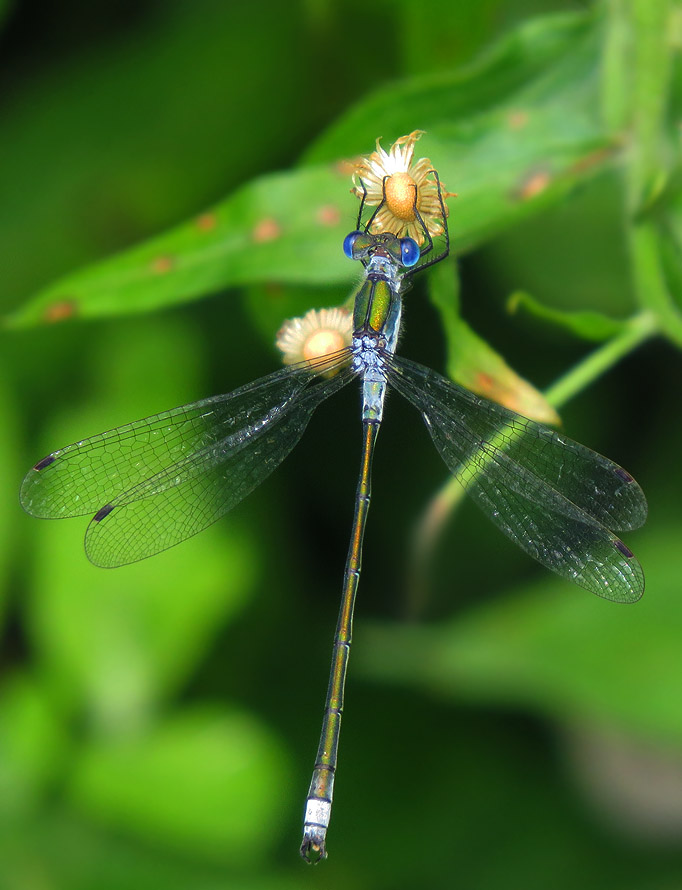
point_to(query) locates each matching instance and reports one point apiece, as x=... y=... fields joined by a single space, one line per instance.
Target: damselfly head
x=363 y=245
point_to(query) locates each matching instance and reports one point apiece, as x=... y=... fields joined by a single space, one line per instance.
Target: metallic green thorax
x=377 y=300
x=372 y=305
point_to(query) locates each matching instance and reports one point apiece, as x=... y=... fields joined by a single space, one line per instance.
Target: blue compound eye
x=409 y=251
x=348 y=244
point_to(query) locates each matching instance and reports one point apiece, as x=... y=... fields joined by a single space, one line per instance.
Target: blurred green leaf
x=518 y=62
x=474 y=364
x=32 y=745
x=9 y=473
x=110 y=138
x=282 y=228
x=5 y=9
x=556 y=650
x=208 y=781
x=533 y=135
x=269 y=305
x=647 y=67
x=671 y=260
x=587 y=325
x=669 y=219
x=117 y=641
x=120 y=639
x=60 y=850
x=573 y=255
x=461 y=29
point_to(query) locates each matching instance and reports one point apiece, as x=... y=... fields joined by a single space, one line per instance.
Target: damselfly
x=158 y=481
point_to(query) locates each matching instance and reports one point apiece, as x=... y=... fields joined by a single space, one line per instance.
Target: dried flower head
x=319 y=333
x=393 y=178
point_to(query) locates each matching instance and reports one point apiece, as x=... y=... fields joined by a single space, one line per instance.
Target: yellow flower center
x=321 y=343
x=400 y=195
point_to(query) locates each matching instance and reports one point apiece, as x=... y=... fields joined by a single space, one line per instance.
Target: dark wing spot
x=624 y=475
x=103 y=512
x=619 y=545
x=45 y=462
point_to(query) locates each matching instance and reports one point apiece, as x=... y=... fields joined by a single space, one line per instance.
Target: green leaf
x=93 y=159
x=512 y=134
x=480 y=89
x=587 y=325
x=60 y=850
x=649 y=69
x=473 y=363
x=9 y=472
x=269 y=305
x=668 y=218
x=671 y=261
x=32 y=746
x=282 y=228
x=208 y=781
x=119 y=640
x=556 y=650
x=5 y=9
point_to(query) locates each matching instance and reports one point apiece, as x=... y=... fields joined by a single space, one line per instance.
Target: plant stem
x=637 y=62
x=639 y=329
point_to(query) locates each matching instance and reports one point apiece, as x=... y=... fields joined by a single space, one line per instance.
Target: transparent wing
x=160 y=480
x=553 y=497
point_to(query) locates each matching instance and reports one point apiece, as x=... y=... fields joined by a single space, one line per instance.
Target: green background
x=158 y=723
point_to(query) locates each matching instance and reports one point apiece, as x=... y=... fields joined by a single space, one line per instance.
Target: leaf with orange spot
x=473 y=363
x=513 y=134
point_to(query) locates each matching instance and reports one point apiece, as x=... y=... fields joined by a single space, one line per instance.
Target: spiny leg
x=358 y=225
x=379 y=205
x=446 y=233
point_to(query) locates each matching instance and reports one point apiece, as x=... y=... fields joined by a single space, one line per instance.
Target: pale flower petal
x=319 y=333
x=392 y=179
